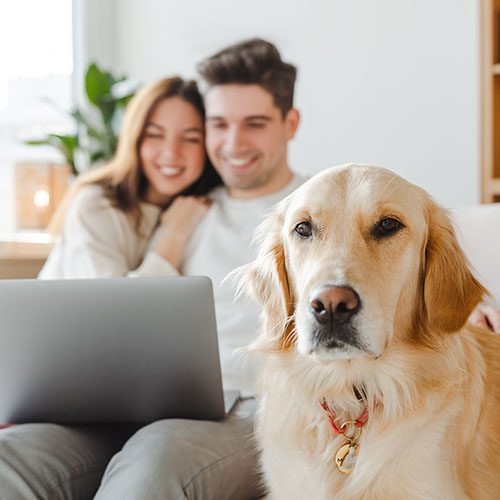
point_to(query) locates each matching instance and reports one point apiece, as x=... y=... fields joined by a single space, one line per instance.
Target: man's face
x=246 y=138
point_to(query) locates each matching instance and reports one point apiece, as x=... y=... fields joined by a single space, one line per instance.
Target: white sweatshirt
x=99 y=241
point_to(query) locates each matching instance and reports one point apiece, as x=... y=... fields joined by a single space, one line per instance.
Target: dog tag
x=345 y=458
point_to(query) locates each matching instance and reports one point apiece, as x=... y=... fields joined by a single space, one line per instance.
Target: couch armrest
x=478 y=232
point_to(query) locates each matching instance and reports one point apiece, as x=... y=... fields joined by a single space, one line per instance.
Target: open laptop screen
x=128 y=350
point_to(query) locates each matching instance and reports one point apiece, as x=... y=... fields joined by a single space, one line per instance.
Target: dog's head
x=355 y=259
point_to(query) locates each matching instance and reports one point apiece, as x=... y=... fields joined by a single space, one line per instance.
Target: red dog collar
x=339 y=426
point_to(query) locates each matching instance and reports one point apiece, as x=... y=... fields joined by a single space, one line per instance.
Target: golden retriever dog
x=372 y=385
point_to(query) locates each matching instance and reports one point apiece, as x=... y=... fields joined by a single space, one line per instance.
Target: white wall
x=93 y=36
x=390 y=82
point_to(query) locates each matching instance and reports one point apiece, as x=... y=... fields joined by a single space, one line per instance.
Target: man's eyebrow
x=265 y=118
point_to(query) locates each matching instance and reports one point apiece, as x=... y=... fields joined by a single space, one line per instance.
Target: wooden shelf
x=22 y=255
x=29 y=245
x=494 y=187
x=490 y=97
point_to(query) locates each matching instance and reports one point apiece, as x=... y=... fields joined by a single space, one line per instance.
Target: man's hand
x=486 y=316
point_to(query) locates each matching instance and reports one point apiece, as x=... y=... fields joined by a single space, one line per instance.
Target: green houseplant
x=95 y=138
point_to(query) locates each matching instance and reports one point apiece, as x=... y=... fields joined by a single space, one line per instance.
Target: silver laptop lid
x=108 y=350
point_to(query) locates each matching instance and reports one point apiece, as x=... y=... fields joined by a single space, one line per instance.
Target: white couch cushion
x=478 y=231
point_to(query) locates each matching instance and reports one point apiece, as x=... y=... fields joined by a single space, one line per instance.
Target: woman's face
x=172 y=151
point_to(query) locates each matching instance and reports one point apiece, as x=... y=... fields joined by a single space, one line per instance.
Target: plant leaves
x=93 y=140
x=98 y=155
x=123 y=89
x=66 y=144
x=37 y=142
x=80 y=118
x=69 y=141
x=97 y=84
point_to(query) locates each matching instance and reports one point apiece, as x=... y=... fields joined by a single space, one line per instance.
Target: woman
x=159 y=174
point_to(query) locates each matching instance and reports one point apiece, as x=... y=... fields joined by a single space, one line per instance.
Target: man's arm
x=486 y=316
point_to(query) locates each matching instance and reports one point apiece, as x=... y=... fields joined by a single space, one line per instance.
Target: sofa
x=478 y=232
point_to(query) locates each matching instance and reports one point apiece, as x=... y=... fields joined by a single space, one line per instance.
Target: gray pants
x=169 y=459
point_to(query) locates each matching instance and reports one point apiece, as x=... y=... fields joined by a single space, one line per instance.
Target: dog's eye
x=304 y=230
x=386 y=227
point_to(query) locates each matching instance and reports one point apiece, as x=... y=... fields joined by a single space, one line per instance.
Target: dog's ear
x=450 y=290
x=266 y=280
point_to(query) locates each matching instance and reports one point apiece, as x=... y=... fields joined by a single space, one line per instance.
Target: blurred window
x=36 y=64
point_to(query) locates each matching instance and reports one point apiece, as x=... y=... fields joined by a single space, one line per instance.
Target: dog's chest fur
x=299 y=449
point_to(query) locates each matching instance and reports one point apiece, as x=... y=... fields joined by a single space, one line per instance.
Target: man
x=250 y=119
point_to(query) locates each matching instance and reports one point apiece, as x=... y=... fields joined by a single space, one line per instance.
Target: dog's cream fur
x=431 y=382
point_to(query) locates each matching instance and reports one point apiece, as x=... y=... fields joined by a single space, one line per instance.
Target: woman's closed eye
x=193 y=139
x=150 y=134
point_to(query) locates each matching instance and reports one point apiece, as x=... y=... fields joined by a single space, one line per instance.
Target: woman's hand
x=486 y=316
x=178 y=222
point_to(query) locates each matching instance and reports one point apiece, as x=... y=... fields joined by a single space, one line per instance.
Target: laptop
x=118 y=350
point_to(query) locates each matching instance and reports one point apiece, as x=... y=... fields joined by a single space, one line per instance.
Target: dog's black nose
x=334 y=304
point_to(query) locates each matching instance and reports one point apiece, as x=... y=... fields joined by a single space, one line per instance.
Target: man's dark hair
x=256 y=62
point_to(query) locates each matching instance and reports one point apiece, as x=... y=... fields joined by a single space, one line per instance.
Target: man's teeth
x=170 y=170
x=239 y=162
